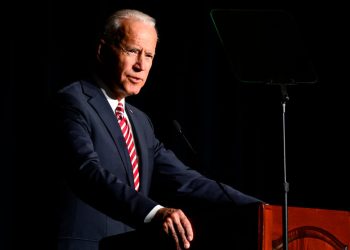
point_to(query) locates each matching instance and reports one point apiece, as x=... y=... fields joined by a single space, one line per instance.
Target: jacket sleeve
x=175 y=179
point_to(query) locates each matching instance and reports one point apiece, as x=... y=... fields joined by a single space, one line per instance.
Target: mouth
x=135 y=80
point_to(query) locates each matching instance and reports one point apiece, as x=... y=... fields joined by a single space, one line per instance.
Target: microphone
x=179 y=130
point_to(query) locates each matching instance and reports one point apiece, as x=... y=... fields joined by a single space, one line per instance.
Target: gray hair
x=112 y=32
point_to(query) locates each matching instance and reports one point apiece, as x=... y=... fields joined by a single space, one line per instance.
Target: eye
x=129 y=51
x=133 y=51
x=149 y=55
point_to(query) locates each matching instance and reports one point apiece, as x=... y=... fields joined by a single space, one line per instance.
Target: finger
x=184 y=225
x=182 y=234
x=172 y=232
x=166 y=228
x=188 y=227
x=184 y=229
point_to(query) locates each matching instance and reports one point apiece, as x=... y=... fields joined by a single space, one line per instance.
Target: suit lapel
x=103 y=109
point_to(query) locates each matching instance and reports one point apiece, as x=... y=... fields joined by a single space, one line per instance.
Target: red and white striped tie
x=123 y=122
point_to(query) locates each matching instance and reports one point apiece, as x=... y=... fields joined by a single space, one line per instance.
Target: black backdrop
x=235 y=128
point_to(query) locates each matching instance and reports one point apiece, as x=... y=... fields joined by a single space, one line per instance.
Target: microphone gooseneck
x=179 y=130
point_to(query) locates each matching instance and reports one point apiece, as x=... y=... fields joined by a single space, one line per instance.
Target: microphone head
x=177 y=126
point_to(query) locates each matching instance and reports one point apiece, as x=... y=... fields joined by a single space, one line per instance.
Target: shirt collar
x=112 y=102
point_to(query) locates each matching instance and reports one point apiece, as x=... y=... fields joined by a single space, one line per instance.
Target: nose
x=140 y=64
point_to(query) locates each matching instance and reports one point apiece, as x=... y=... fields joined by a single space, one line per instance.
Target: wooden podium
x=251 y=228
x=308 y=228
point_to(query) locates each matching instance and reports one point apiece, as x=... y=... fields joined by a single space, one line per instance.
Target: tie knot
x=119 y=111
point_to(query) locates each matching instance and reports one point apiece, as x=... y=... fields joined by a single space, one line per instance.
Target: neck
x=108 y=85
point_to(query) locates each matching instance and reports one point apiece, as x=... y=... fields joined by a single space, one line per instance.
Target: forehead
x=139 y=32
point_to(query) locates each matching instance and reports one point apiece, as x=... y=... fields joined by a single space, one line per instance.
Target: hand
x=175 y=224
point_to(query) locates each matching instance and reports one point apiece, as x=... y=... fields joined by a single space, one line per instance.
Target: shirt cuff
x=151 y=214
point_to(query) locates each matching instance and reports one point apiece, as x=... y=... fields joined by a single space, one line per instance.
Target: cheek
x=147 y=69
x=122 y=65
x=122 y=68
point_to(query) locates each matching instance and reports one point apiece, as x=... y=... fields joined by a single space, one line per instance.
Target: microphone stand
x=285 y=98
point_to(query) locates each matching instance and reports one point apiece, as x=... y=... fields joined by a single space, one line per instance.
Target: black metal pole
x=285 y=98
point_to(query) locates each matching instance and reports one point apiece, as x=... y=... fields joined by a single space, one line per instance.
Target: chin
x=134 y=91
x=131 y=93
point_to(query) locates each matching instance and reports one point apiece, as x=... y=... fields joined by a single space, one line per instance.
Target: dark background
x=235 y=128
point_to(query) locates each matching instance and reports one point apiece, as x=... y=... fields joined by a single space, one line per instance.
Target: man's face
x=133 y=58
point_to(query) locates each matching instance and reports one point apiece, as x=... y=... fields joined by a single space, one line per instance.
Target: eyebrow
x=127 y=48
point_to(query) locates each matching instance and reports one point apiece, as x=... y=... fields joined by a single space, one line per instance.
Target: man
x=112 y=157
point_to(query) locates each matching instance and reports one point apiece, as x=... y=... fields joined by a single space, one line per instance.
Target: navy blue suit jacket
x=97 y=198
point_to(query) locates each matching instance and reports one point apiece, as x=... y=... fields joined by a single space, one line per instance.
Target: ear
x=101 y=50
